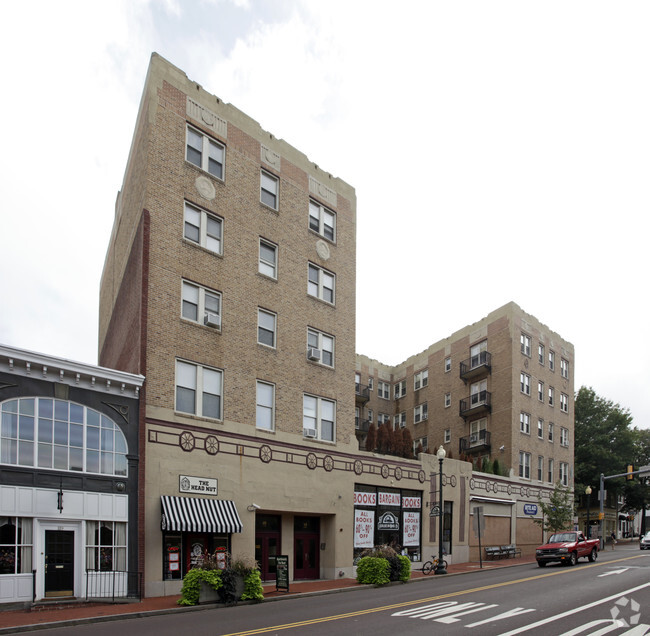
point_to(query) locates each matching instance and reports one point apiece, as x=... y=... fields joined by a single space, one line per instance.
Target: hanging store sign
x=411 y=531
x=389 y=499
x=364 y=528
x=388 y=521
x=203 y=485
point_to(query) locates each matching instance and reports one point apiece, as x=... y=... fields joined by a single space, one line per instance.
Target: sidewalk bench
x=495 y=552
x=511 y=551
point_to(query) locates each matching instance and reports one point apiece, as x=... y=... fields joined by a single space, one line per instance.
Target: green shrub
x=373 y=571
x=253 y=590
x=405 y=574
x=192 y=584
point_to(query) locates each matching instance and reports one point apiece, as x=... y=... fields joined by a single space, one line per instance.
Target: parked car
x=567 y=548
x=644 y=542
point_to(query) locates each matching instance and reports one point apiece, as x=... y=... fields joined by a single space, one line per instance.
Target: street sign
x=435 y=511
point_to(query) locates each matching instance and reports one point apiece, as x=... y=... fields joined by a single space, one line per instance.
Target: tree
x=558 y=513
x=382 y=438
x=371 y=438
x=605 y=442
x=407 y=443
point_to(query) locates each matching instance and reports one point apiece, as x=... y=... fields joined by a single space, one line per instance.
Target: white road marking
x=614 y=572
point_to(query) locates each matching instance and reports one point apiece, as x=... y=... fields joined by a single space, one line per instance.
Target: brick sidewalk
x=57 y=615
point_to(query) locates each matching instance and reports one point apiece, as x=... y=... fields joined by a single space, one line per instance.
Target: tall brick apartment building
x=229 y=283
x=498 y=390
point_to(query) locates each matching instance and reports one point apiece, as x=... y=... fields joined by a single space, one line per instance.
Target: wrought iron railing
x=110 y=585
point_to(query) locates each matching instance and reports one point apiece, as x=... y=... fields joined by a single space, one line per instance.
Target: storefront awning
x=191 y=514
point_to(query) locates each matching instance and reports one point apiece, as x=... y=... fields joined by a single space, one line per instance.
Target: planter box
x=208 y=595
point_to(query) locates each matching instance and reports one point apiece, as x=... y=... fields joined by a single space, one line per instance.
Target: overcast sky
x=499 y=150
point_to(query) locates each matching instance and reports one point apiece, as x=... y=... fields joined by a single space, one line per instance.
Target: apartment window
x=383 y=390
x=540 y=354
x=447 y=436
x=318 y=417
x=322 y=221
x=16 y=543
x=564 y=436
x=524 y=382
x=382 y=419
x=551 y=396
x=321 y=283
x=478 y=432
x=202 y=228
x=524 y=423
x=420 y=441
x=551 y=360
x=540 y=428
x=400 y=420
x=205 y=153
x=201 y=305
x=421 y=379
x=371 y=383
x=564 y=403
x=525 y=344
x=564 y=473
x=198 y=389
x=551 y=476
x=400 y=389
x=540 y=391
x=420 y=413
x=105 y=546
x=524 y=465
x=551 y=431
x=447 y=400
x=540 y=468
x=320 y=348
x=269 y=188
x=564 y=368
x=369 y=415
x=265 y=413
x=268 y=259
x=477 y=354
x=266 y=326
x=447 y=365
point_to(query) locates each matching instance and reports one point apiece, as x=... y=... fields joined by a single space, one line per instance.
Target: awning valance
x=192 y=514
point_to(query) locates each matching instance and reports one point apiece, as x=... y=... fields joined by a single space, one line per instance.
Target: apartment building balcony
x=476 y=404
x=476 y=366
x=475 y=443
x=361 y=393
x=361 y=425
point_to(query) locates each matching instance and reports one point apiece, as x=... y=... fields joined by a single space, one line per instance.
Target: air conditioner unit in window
x=309 y=432
x=314 y=354
x=473 y=438
x=212 y=320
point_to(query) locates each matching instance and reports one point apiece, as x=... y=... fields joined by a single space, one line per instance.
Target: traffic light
x=630 y=470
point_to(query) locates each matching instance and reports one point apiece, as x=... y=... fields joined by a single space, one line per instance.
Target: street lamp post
x=440 y=568
x=588 y=493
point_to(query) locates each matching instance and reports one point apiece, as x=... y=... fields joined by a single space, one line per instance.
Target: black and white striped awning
x=191 y=514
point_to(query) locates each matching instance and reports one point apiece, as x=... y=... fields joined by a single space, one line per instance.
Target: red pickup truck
x=567 y=548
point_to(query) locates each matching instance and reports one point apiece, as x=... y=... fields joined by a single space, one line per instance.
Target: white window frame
x=541 y=355
x=264 y=409
x=447 y=436
x=550 y=470
x=206 y=240
x=314 y=419
x=524 y=383
x=420 y=379
x=399 y=420
x=540 y=391
x=269 y=190
x=564 y=403
x=524 y=423
x=447 y=365
x=525 y=344
x=551 y=396
x=371 y=383
x=207 y=145
x=265 y=266
x=564 y=473
x=524 y=464
x=540 y=428
x=369 y=416
x=421 y=413
x=447 y=400
x=564 y=437
x=325 y=343
x=383 y=389
x=317 y=279
x=540 y=468
x=383 y=418
x=206 y=301
x=318 y=217
x=266 y=328
x=201 y=372
x=551 y=360
x=564 y=368
x=399 y=389
x=551 y=432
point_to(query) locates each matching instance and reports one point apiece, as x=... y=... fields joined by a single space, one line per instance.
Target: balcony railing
x=475 y=442
x=477 y=365
x=361 y=425
x=479 y=402
x=362 y=392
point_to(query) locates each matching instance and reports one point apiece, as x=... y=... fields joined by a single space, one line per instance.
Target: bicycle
x=430 y=566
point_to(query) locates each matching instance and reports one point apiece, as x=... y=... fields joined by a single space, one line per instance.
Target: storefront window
x=387 y=516
x=186 y=550
x=106 y=546
x=15 y=545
